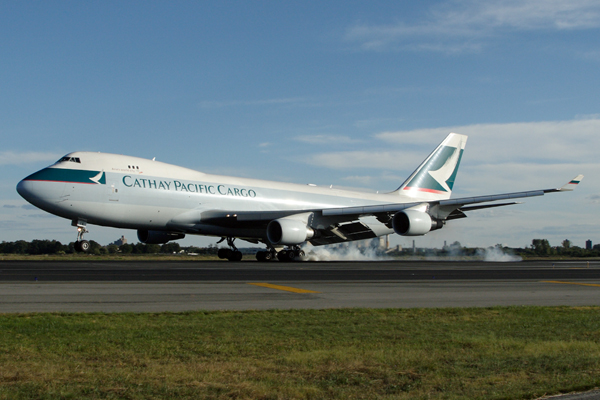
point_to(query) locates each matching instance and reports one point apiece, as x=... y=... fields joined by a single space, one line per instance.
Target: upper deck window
x=70 y=159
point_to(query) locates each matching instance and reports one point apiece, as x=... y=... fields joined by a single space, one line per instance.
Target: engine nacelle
x=288 y=231
x=414 y=223
x=158 y=237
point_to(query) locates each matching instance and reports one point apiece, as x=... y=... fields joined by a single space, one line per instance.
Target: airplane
x=165 y=202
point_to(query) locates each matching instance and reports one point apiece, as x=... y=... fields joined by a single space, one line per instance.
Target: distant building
x=588 y=245
x=120 y=242
x=384 y=242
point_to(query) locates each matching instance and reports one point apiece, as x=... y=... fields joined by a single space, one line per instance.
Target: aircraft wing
x=224 y=217
x=350 y=223
x=446 y=208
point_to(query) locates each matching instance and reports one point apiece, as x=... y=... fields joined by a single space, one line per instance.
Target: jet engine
x=158 y=237
x=414 y=223
x=288 y=231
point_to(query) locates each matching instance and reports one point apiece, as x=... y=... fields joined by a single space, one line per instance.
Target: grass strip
x=478 y=353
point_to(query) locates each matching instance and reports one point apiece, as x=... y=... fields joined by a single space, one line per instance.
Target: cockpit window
x=70 y=159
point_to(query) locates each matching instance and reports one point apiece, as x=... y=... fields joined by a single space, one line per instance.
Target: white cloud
x=594 y=198
x=233 y=103
x=393 y=160
x=359 y=179
x=19 y=158
x=326 y=139
x=593 y=55
x=546 y=142
x=464 y=25
x=367 y=181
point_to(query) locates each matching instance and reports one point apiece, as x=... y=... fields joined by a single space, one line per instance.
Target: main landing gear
x=81 y=245
x=232 y=254
x=290 y=254
x=266 y=255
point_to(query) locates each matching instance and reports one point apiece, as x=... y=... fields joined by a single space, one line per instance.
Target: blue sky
x=347 y=93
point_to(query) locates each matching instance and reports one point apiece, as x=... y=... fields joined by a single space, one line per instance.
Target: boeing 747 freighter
x=165 y=202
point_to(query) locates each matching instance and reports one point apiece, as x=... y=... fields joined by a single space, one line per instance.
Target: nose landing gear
x=81 y=245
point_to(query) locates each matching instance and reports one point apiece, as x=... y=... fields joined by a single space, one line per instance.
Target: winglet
x=571 y=185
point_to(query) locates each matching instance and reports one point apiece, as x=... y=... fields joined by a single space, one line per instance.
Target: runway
x=185 y=286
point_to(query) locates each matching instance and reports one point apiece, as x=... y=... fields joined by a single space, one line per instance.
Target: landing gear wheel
x=235 y=255
x=286 y=255
x=282 y=255
x=231 y=255
x=261 y=256
x=223 y=253
x=264 y=255
x=84 y=245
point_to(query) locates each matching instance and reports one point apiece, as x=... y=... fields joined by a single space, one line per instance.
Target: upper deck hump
x=119 y=163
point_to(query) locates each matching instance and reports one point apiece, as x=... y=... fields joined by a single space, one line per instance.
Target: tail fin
x=434 y=178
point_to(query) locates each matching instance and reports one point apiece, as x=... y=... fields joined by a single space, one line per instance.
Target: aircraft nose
x=39 y=191
x=24 y=189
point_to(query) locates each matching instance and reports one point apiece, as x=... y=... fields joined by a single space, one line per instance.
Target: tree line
x=40 y=247
x=542 y=248
x=538 y=248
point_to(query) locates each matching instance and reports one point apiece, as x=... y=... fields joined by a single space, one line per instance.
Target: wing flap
x=343 y=233
x=370 y=210
x=486 y=199
x=472 y=208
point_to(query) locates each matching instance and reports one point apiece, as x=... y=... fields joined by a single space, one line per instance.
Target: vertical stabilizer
x=434 y=178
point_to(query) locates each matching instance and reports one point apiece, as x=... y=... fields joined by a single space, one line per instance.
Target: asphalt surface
x=219 y=285
x=185 y=271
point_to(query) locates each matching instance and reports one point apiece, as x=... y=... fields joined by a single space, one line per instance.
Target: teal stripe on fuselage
x=66 y=175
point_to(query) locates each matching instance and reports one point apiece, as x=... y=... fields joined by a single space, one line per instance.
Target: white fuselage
x=135 y=193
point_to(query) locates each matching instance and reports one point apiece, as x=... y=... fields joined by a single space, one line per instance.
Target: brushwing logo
x=443 y=175
x=99 y=179
x=439 y=172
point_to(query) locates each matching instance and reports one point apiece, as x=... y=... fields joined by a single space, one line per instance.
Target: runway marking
x=573 y=283
x=286 y=288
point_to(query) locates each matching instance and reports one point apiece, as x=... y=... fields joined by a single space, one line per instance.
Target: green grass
x=479 y=353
